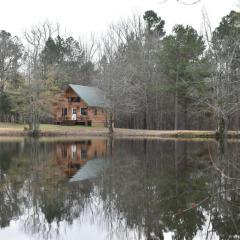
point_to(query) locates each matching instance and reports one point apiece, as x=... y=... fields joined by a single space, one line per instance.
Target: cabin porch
x=74 y=122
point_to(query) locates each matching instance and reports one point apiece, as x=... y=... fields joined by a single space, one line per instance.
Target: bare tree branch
x=182 y=2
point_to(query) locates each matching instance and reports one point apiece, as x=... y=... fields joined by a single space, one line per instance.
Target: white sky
x=83 y=17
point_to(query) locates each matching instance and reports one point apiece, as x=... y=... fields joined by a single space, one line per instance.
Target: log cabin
x=80 y=105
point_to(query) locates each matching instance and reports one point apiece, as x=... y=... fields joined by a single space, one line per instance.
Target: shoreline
x=118 y=132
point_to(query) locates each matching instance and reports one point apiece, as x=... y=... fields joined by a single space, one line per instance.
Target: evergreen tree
x=180 y=55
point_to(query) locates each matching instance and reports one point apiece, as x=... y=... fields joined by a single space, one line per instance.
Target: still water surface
x=119 y=189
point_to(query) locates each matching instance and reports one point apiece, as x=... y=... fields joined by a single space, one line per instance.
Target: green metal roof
x=93 y=96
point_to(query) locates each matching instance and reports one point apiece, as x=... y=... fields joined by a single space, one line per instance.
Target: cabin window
x=83 y=154
x=83 y=111
x=95 y=111
x=72 y=99
x=64 y=112
x=74 y=152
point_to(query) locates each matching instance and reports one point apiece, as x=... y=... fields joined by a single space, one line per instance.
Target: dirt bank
x=52 y=130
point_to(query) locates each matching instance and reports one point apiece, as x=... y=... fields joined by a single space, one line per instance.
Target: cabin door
x=74 y=114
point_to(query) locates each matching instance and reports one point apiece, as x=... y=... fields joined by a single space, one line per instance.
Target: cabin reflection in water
x=72 y=156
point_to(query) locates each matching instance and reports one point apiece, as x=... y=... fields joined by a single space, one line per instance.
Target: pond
x=97 y=188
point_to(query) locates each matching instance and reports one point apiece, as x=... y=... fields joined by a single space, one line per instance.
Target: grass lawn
x=12 y=125
x=45 y=127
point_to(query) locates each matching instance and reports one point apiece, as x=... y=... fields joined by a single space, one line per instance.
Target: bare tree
x=35 y=39
x=89 y=47
x=11 y=51
x=117 y=72
x=36 y=90
x=186 y=2
x=223 y=96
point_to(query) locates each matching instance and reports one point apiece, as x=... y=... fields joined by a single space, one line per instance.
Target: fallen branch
x=195 y=205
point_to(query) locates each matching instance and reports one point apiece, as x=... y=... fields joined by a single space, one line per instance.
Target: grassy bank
x=9 y=129
x=43 y=127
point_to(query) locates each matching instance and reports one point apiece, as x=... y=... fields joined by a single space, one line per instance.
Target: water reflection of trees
x=147 y=192
x=225 y=208
x=34 y=188
x=152 y=192
x=10 y=197
x=150 y=188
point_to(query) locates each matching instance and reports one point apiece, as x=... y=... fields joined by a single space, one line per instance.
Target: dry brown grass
x=8 y=129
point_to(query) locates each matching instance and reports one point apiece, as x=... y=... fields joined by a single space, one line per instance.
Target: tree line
x=152 y=80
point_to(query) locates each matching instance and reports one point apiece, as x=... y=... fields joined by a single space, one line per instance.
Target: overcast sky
x=82 y=17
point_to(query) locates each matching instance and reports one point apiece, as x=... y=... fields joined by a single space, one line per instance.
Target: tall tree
x=11 y=52
x=154 y=23
x=224 y=55
x=117 y=72
x=37 y=88
x=181 y=51
x=130 y=52
x=65 y=58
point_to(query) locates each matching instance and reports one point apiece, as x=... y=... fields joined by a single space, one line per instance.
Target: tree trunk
x=110 y=123
x=185 y=115
x=145 y=119
x=221 y=127
x=33 y=124
x=176 y=103
x=176 y=111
